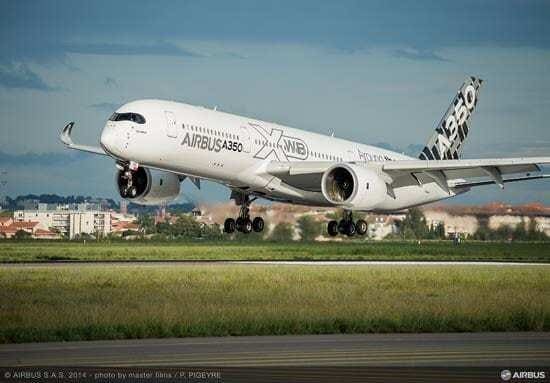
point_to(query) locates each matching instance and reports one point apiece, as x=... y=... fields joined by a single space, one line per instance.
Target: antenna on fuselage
x=331 y=132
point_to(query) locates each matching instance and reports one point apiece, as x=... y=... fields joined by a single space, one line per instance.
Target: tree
x=147 y=223
x=483 y=233
x=282 y=232
x=309 y=228
x=414 y=225
x=519 y=233
x=22 y=234
x=504 y=233
x=248 y=237
x=83 y=237
x=186 y=227
x=128 y=233
x=438 y=231
x=533 y=234
x=212 y=231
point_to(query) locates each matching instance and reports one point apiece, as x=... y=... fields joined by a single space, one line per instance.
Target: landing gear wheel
x=229 y=225
x=361 y=227
x=332 y=228
x=342 y=227
x=350 y=229
x=258 y=224
x=239 y=224
x=247 y=226
x=243 y=222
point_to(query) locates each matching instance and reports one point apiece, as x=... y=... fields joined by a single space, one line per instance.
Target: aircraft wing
x=446 y=173
x=65 y=137
x=455 y=173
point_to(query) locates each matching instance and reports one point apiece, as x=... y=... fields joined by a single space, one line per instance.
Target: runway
x=184 y=263
x=384 y=350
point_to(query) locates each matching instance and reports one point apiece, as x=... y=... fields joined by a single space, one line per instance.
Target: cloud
x=418 y=54
x=105 y=106
x=412 y=150
x=19 y=76
x=518 y=148
x=158 y=49
x=42 y=159
x=110 y=82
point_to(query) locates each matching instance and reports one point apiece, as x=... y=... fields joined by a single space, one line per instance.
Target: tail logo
x=450 y=134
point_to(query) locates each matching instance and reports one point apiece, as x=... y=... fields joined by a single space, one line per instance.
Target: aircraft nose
x=109 y=139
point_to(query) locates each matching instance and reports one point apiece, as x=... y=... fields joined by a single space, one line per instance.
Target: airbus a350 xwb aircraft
x=156 y=144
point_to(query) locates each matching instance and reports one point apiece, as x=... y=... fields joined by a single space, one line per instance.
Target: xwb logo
x=277 y=146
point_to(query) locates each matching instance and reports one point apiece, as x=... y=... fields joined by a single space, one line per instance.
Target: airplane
x=156 y=144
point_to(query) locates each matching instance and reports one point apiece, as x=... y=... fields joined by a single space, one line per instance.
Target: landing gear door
x=245 y=138
x=171 y=125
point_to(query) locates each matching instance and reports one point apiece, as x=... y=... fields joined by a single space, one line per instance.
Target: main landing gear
x=346 y=226
x=243 y=223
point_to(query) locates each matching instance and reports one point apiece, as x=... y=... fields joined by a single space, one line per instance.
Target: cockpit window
x=137 y=118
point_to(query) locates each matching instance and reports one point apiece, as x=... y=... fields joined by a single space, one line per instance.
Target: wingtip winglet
x=65 y=135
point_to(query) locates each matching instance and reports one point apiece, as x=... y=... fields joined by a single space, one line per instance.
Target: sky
x=377 y=72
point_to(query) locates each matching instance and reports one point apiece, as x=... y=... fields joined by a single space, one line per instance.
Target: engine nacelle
x=148 y=186
x=354 y=186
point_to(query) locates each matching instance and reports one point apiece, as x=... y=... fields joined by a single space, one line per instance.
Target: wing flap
x=466 y=184
x=457 y=169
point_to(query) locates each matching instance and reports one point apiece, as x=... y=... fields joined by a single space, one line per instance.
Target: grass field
x=100 y=302
x=11 y=251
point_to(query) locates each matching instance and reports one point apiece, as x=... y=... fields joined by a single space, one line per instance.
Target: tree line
x=415 y=226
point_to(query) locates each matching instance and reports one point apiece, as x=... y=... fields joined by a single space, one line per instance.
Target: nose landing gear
x=346 y=226
x=243 y=223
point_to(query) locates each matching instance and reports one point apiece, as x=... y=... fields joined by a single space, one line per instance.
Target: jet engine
x=147 y=186
x=353 y=186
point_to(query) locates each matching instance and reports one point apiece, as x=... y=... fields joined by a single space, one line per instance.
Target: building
x=121 y=223
x=69 y=223
x=382 y=225
x=455 y=225
x=465 y=220
x=8 y=229
x=6 y=221
x=123 y=207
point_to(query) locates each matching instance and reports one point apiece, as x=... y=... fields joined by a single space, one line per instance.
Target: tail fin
x=448 y=140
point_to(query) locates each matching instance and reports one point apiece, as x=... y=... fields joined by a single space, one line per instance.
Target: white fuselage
x=234 y=151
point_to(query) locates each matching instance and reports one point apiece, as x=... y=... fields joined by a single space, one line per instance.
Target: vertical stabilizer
x=448 y=139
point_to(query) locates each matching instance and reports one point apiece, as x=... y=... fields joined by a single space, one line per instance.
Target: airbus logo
x=276 y=145
x=507 y=375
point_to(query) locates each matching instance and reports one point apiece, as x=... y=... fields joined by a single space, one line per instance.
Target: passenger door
x=245 y=139
x=171 y=125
